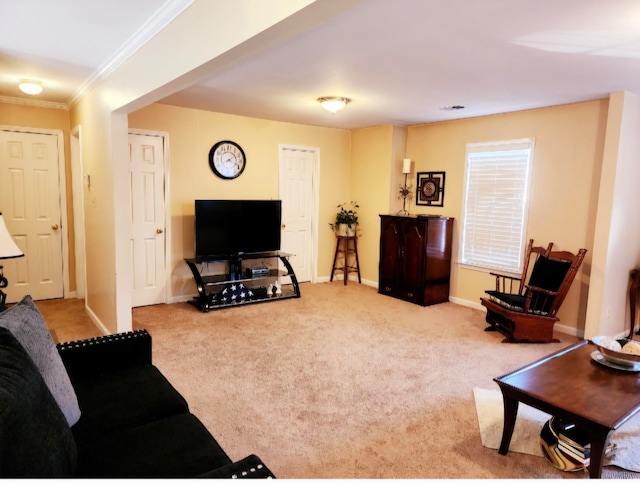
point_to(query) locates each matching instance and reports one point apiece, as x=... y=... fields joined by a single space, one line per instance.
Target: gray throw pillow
x=25 y=322
x=35 y=439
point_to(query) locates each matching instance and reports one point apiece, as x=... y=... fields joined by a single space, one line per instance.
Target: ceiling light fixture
x=333 y=104
x=32 y=87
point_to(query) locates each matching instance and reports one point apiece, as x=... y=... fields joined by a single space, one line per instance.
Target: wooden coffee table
x=569 y=385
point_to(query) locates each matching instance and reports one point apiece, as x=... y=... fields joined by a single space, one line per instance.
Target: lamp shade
x=406 y=166
x=8 y=248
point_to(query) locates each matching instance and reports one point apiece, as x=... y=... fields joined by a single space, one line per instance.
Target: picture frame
x=430 y=188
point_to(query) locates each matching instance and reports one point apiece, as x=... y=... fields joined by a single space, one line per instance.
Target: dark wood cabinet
x=415 y=258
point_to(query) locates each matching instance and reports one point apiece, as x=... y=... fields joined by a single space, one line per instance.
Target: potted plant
x=346 y=219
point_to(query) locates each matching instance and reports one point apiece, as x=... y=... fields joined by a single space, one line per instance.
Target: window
x=495 y=204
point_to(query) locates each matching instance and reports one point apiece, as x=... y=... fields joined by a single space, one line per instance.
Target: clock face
x=227 y=159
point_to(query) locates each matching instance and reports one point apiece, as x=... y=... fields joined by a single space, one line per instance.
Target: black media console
x=211 y=287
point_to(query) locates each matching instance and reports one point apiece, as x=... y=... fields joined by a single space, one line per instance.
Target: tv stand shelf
x=207 y=285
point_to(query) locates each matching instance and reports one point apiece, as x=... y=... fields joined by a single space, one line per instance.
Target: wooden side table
x=347 y=246
x=634 y=288
x=570 y=385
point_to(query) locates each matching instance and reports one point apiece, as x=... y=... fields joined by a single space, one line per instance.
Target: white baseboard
x=96 y=320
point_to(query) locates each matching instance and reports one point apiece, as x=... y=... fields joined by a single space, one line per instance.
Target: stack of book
x=567 y=446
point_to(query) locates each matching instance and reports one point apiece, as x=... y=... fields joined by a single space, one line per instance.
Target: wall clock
x=430 y=190
x=227 y=159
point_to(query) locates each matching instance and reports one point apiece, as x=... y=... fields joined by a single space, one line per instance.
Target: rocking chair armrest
x=533 y=288
x=507 y=282
x=500 y=275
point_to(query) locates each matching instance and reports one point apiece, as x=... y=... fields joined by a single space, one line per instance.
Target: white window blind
x=495 y=204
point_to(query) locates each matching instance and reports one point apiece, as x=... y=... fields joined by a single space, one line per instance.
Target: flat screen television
x=227 y=228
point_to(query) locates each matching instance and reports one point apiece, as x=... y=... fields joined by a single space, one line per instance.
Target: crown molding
x=33 y=102
x=159 y=20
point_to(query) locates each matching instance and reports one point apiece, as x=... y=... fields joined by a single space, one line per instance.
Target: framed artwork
x=430 y=188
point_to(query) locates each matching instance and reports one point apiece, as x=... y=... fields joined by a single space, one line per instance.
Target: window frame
x=515 y=267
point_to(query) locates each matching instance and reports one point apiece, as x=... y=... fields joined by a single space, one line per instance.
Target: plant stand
x=343 y=247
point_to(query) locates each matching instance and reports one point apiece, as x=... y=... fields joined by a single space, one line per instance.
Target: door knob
x=159 y=230
x=54 y=226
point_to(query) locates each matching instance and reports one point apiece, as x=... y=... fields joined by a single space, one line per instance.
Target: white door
x=147 y=219
x=30 y=203
x=297 y=195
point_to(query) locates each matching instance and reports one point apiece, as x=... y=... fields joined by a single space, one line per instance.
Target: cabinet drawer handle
x=387 y=288
x=410 y=295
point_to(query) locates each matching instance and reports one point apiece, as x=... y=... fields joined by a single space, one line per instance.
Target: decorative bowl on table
x=624 y=352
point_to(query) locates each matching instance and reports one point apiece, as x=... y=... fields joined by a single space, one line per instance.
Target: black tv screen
x=226 y=228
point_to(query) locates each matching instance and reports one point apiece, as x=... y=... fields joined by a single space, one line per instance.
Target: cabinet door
x=390 y=233
x=414 y=252
x=438 y=250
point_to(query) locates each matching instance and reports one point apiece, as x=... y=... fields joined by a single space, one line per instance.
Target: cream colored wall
x=95 y=117
x=182 y=53
x=373 y=154
x=46 y=118
x=191 y=135
x=564 y=191
x=617 y=232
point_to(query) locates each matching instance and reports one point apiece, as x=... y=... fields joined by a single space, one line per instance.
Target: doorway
x=33 y=202
x=299 y=168
x=147 y=152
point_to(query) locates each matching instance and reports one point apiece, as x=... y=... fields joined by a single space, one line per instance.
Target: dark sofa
x=107 y=412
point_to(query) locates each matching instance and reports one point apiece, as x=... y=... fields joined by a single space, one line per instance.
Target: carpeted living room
x=284 y=239
x=341 y=383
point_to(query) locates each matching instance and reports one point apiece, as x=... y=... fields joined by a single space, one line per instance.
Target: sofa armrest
x=104 y=354
x=249 y=467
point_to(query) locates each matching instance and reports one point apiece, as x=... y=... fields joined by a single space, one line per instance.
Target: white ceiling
x=400 y=61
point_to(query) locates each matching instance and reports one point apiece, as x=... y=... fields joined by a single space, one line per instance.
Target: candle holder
x=406 y=191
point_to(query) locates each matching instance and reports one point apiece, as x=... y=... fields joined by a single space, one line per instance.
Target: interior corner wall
x=165 y=64
x=569 y=141
x=94 y=115
x=617 y=232
x=396 y=178
x=372 y=155
x=193 y=132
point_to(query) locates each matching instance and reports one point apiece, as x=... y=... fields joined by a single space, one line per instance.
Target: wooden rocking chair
x=529 y=313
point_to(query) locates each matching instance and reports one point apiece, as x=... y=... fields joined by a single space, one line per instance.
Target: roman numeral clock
x=227 y=159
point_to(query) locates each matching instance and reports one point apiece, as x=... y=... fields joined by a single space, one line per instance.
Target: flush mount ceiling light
x=333 y=104
x=29 y=86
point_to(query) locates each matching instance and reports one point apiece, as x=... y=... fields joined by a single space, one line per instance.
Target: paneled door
x=297 y=166
x=30 y=203
x=147 y=212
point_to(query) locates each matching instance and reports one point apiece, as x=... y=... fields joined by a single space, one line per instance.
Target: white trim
x=33 y=102
x=62 y=185
x=77 y=189
x=160 y=19
x=168 y=292
x=315 y=198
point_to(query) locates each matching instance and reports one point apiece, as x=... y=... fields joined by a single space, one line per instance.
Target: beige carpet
x=526 y=433
x=345 y=383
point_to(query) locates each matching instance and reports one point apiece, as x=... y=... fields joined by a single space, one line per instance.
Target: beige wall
x=372 y=158
x=184 y=52
x=564 y=192
x=617 y=233
x=45 y=118
x=191 y=135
